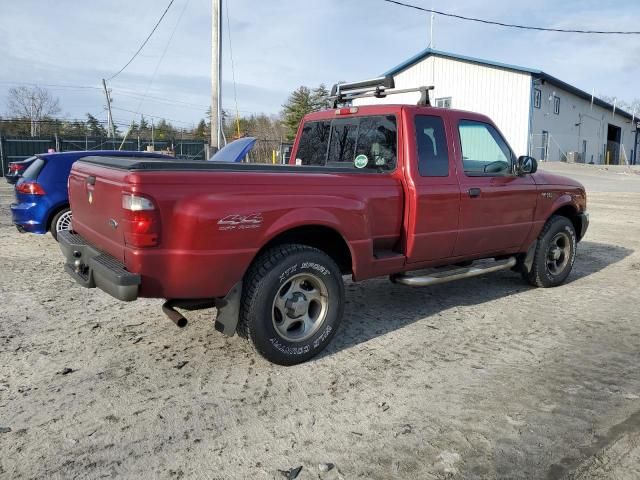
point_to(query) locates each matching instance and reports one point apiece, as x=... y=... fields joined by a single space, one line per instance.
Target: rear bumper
x=92 y=268
x=584 y=225
x=25 y=217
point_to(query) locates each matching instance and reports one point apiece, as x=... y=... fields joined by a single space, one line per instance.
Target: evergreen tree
x=164 y=130
x=299 y=103
x=320 y=98
x=201 y=130
x=94 y=127
x=143 y=128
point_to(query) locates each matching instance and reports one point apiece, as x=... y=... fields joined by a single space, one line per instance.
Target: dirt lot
x=483 y=378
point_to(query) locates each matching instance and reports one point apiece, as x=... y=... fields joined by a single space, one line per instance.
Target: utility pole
x=112 y=132
x=216 y=74
x=33 y=122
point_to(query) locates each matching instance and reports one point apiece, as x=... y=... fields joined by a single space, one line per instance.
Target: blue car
x=42 y=200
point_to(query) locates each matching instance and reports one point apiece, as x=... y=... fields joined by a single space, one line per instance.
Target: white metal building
x=538 y=113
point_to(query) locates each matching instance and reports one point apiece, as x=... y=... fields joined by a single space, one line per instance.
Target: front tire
x=555 y=253
x=292 y=305
x=61 y=221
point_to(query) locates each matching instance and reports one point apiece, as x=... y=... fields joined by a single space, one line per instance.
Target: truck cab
x=463 y=197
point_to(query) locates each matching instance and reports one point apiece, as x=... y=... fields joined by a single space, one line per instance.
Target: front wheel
x=61 y=222
x=292 y=304
x=555 y=253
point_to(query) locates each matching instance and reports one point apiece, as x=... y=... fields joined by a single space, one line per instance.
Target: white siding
x=501 y=94
x=576 y=122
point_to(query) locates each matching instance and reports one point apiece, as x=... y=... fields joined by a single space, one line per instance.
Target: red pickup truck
x=370 y=191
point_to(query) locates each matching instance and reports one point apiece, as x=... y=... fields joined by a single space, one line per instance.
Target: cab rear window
x=32 y=172
x=362 y=143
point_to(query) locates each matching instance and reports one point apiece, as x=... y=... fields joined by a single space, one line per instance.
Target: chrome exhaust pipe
x=451 y=275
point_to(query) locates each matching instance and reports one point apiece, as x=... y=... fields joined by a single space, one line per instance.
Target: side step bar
x=450 y=275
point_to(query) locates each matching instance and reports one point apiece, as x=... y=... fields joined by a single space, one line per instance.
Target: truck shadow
x=377 y=307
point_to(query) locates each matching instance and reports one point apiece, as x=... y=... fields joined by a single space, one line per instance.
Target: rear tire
x=292 y=303
x=555 y=254
x=60 y=221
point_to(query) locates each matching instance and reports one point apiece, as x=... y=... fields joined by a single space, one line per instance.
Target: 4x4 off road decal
x=240 y=222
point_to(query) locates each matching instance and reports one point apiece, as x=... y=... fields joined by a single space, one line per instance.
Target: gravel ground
x=483 y=378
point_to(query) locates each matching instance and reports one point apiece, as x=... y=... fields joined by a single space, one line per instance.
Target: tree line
x=33 y=111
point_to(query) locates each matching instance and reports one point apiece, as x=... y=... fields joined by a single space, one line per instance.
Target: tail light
x=141 y=219
x=30 y=188
x=15 y=168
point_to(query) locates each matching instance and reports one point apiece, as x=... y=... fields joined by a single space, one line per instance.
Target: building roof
x=535 y=73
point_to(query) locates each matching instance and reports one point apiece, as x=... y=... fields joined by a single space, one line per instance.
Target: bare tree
x=34 y=103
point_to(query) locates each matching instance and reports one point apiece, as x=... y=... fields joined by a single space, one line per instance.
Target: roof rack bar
x=384 y=82
x=377 y=87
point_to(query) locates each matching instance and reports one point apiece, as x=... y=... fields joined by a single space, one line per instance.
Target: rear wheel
x=292 y=303
x=555 y=253
x=61 y=221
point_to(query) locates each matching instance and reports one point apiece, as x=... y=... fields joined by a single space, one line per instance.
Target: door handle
x=474 y=192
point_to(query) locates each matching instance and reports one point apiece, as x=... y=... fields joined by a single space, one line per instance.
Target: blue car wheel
x=61 y=221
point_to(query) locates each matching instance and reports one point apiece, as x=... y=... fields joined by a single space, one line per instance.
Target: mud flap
x=229 y=311
x=528 y=259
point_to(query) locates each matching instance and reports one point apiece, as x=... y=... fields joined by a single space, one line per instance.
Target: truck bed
x=137 y=164
x=205 y=240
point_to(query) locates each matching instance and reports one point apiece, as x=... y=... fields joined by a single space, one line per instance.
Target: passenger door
x=434 y=192
x=496 y=207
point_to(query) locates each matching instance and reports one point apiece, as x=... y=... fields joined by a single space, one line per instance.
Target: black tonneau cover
x=152 y=164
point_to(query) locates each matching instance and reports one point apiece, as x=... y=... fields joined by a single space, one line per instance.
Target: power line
x=164 y=52
x=143 y=43
x=152 y=116
x=233 y=70
x=513 y=25
x=49 y=85
x=193 y=106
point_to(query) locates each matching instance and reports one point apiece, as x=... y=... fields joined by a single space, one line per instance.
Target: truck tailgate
x=95 y=196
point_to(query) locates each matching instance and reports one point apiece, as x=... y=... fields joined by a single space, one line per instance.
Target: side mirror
x=525 y=165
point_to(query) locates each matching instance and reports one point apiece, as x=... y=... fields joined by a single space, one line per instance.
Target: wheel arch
x=54 y=211
x=322 y=237
x=570 y=211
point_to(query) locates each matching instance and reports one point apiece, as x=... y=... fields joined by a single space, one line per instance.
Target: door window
x=484 y=151
x=433 y=157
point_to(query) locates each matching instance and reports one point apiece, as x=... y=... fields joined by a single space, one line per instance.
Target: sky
x=280 y=45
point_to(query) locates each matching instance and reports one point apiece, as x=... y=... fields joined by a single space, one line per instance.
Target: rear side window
x=360 y=142
x=342 y=148
x=377 y=140
x=314 y=140
x=33 y=170
x=433 y=155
